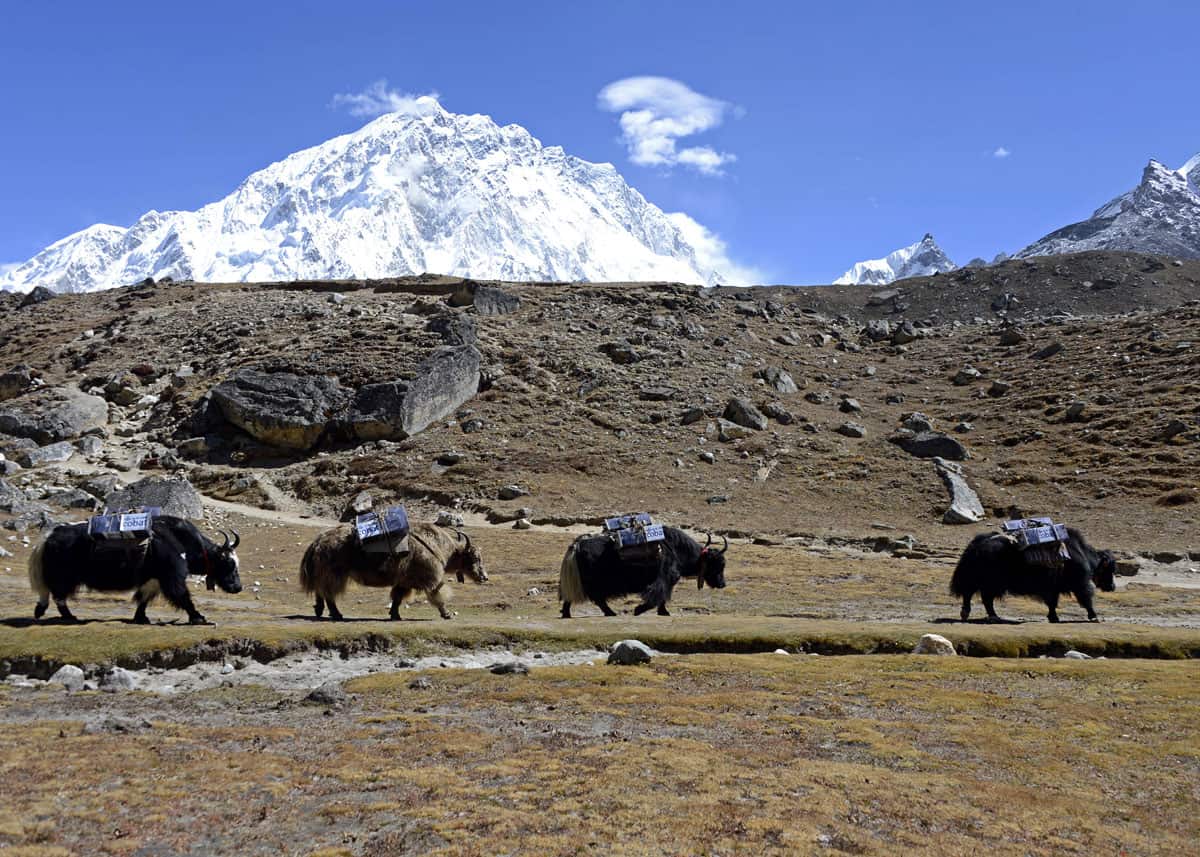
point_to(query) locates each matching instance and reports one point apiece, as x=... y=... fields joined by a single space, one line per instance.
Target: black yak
x=994 y=566
x=594 y=570
x=69 y=558
x=335 y=558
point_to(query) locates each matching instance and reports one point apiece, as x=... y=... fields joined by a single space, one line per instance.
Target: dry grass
x=704 y=754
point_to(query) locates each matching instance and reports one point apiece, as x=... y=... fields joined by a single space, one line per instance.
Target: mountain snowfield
x=917 y=260
x=1161 y=215
x=426 y=190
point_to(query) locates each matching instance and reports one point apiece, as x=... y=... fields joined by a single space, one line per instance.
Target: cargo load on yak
x=383 y=532
x=1041 y=541
x=637 y=537
x=129 y=530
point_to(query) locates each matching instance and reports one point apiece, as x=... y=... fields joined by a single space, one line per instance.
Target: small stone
x=509 y=668
x=851 y=430
x=420 y=683
x=917 y=422
x=69 y=676
x=729 y=431
x=778 y=380
x=708 y=457
x=628 y=652
x=691 y=415
x=1075 y=410
x=449 y=519
x=743 y=413
x=966 y=375
x=226 y=669
x=117 y=679
x=512 y=492
x=849 y=406
x=1075 y=655
x=522 y=524
x=998 y=389
x=1049 y=351
x=934 y=644
x=330 y=693
x=533 y=592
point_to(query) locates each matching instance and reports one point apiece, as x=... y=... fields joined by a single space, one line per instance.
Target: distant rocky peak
x=917 y=260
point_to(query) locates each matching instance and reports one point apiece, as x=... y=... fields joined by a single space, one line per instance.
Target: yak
x=994 y=566
x=335 y=558
x=594 y=570
x=69 y=558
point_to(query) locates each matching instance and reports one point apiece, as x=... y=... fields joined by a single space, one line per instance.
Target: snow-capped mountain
x=410 y=192
x=1161 y=215
x=917 y=260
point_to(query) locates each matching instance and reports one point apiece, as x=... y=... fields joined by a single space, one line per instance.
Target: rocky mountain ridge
x=917 y=260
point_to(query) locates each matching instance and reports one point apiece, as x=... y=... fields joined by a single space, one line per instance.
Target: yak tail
x=570 y=585
x=965 y=580
x=308 y=581
x=37 y=573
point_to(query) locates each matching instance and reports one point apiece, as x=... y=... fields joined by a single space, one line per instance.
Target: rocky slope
x=1065 y=386
x=917 y=260
x=1161 y=215
x=407 y=193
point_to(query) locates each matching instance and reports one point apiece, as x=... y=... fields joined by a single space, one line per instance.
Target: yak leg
x=438 y=600
x=965 y=614
x=64 y=611
x=319 y=607
x=334 y=613
x=39 y=609
x=990 y=607
x=657 y=594
x=604 y=608
x=663 y=611
x=1052 y=604
x=566 y=611
x=145 y=594
x=174 y=589
x=1084 y=597
x=399 y=593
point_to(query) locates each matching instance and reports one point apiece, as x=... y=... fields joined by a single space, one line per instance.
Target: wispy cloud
x=713 y=254
x=656 y=112
x=1001 y=152
x=378 y=99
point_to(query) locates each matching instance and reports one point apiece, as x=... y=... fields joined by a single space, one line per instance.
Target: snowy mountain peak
x=415 y=191
x=1161 y=216
x=917 y=260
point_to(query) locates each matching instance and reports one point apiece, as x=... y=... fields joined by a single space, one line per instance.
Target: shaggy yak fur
x=69 y=558
x=335 y=558
x=594 y=570
x=994 y=566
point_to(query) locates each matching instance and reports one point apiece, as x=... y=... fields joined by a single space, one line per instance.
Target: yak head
x=712 y=565
x=223 y=566
x=1106 y=567
x=467 y=560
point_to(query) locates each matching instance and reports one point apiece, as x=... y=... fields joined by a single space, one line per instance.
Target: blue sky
x=841 y=130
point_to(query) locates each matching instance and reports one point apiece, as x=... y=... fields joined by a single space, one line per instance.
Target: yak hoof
x=141 y=619
x=995 y=620
x=39 y=611
x=199 y=620
x=1093 y=618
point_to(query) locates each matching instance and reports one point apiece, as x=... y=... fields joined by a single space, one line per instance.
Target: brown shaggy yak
x=335 y=558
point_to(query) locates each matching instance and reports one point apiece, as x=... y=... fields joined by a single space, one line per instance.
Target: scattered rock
x=1049 y=351
x=916 y=422
x=743 y=413
x=449 y=519
x=934 y=644
x=420 y=683
x=522 y=524
x=1075 y=411
x=882 y=298
x=37 y=295
x=51 y=454
x=621 y=353
x=330 y=693
x=779 y=413
x=69 y=676
x=965 y=507
x=117 y=679
x=628 y=652
x=904 y=334
x=173 y=494
x=849 y=406
x=15 y=381
x=778 y=380
x=1011 y=336
x=1173 y=428
x=998 y=389
x=53 y=414
x=509 y=668
x=851 y=430
x=1076 y=655
x=116 y=724
x=930 y=444
x=728 y=431
x=707 y=457
x=656 y=394
x=395 y=410
x=511 y=492
x=966 y=375
x=487 y=300
x=878 y=330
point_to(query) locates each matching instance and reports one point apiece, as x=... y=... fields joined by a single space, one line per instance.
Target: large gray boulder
x=15 y=381
x=175 y=495
x=743 y=413
x=395 y=410
x=487 y=300
x=52 y=453
x=629 y=652
x=965 y=507
x=929 y=444
x=779 y=380
x=281 y=409
x=53 y=414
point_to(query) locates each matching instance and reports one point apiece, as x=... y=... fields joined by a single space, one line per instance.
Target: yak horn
x=709 y=542
x=726 y=541
x=225 y=536
x=463 y=537
x=237 y=540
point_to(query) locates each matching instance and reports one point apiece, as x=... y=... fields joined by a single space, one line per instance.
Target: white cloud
x=1001 y=152
x=656 y=112
x=378 y=99
x=713 y=254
